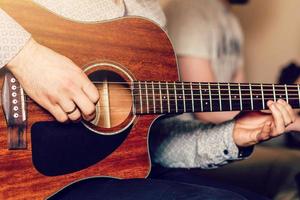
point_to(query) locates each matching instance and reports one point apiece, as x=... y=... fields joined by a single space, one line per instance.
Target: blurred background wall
x=272 y=36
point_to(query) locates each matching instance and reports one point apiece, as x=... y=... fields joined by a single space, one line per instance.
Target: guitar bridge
x=13 y=100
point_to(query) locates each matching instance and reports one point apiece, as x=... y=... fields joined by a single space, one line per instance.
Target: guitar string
x=277 y=92
x=223 y=96
x=199 y=83
x=199 y=100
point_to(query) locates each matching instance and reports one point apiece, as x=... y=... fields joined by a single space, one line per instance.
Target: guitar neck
x=152 y=97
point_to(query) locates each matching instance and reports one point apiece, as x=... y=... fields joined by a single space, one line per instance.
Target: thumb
x=265 y=132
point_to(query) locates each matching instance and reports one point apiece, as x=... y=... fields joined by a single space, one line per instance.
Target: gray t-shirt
x=208 y=30
x=203 y=29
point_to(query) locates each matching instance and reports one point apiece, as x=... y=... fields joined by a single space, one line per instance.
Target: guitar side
x=136 y=44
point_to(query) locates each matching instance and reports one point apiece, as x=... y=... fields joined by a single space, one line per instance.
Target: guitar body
x=132 y=47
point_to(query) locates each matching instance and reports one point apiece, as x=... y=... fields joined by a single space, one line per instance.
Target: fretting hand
x=254 y=127
x=54 y=82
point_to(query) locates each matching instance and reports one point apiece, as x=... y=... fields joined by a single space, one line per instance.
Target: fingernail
x=281 y=101
x=270 y=103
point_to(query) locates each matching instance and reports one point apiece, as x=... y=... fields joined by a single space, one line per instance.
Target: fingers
x=282 y=114
x=70 y=109
x=278 y=118
x=58 y=113
x=86 y=106
x=265 y=132
x=286 y=108
x=90 y=90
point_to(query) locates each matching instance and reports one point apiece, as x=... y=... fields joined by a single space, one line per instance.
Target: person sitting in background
x=68 y=94
x=208 y=42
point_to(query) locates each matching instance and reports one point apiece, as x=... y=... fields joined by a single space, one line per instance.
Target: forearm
x=13 y=38
x=191 y=144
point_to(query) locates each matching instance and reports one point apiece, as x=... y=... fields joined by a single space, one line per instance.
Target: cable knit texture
x=13 y=37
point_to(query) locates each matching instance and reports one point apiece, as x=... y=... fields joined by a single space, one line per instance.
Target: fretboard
x=152 y=97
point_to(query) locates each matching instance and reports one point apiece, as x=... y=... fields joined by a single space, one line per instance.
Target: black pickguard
x=59 y=149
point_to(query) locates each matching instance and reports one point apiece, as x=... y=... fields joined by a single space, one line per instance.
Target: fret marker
x=210 y=100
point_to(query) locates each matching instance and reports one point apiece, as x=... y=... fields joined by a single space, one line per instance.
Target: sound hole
x=114 y=108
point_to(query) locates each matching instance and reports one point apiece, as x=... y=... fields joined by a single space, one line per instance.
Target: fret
x=292 y=96
x=180 y=102
x=286 y=93
x=298 y=93
x=251 y=96
x=168 y=97
x=175 y=94
x=274 y=93
x=262 y=96
x=153 y=96
x=141 y=102
x=147 y=99
x=188 y=97
x=220 y=98
x=256 y=95
x=183 y=95
x=246 y=97
x=210 y=101
x=160 y=97
x=230 y=101
x=165 y=100
x=172 y=98
x=240 y=93
x=192 y=97
x=205 y=95
x=215 y=97
x=280 y=92
x=201 y=98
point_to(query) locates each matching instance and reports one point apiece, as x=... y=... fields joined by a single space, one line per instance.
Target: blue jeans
x=144 y=189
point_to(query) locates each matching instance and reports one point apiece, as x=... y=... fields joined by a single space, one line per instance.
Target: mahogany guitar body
x=133 y=48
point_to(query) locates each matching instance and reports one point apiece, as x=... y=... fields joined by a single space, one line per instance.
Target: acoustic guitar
x=132 y=63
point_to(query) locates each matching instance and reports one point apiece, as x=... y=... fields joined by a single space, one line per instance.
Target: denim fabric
x=144 y=189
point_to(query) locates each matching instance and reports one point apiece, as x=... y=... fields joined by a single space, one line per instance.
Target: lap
x=272 y=172
x=146 y=189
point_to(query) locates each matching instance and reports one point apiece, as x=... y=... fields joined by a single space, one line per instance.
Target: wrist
x=240 y=136
x=23 y=57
